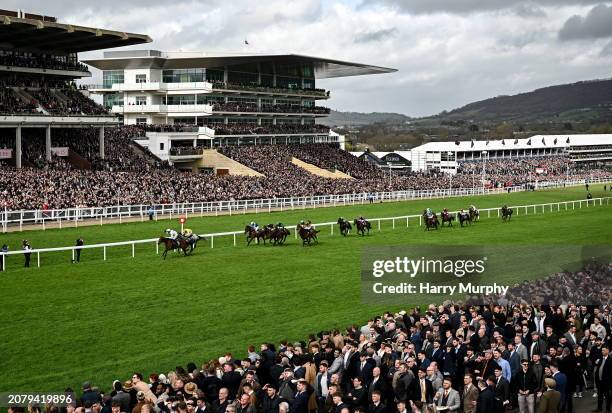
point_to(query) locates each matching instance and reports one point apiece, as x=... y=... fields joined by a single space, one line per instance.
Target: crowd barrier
x=488 y=212
x=72 y=216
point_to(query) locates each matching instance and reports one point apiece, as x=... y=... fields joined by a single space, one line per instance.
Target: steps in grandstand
x=222 y=165
x=77 y=161
x=148 y=155
x=60 y=96
x=315 y=170
x=27 y=98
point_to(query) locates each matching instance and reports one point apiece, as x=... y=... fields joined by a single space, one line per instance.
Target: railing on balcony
x=264 y=89
x=162 y=108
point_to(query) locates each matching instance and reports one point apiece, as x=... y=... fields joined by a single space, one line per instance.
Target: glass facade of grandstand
x=265 y=102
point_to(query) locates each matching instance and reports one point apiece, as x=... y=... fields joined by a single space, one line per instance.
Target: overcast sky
x=448 y=52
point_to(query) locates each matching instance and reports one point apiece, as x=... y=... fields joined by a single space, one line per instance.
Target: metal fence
x=395 y=222
x=72 y=216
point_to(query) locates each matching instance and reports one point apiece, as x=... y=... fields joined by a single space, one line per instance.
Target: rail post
x=407 y=222
x=157 y=248
x=234 y=239
x=379 y=224
x=72 y=255
x=104 y=250
x=133 y=248
x=38 y=259
x=212 y=241
x=420 y=221
x=331 y=226
x=393 y=222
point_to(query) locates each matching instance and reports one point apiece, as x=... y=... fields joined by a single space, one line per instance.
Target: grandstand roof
x=42 y=33
x=323 y=68
x=536 y=141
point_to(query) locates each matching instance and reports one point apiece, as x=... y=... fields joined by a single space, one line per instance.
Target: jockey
x=429 y=213
x=187 y=232
x=280 y=225
x=308 y=225
x=472 y=208
x=254 y=225
x=462 y=212
x=172 y=234
x=445 y=212
x=361 y=219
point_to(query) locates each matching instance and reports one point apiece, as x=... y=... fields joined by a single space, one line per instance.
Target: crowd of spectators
x=284 y=128
x=593 y=284
x=64 y=101
x=270 y=89
x=31 y=60
x=472 y=358
x=11 y=103
x=253 y=107
x=130 y=174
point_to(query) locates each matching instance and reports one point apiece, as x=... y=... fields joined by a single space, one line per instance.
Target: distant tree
x=503 y=130
x=568 y=126
x=473 y=127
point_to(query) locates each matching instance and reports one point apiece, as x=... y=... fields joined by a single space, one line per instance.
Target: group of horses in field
x=363 y=226
x=276 y=234
x=465 y=218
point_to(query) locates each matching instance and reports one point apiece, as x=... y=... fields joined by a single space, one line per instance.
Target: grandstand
x=448 y=157
x=38 y=67
x=230 y=99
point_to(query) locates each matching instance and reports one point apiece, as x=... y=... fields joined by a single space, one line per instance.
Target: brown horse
x=307 y=234
x=447 y=217
x=172 y=245
x=430 y=222
x=252 y=234
x=474 y=214
x=363 y=226
x=279 y=235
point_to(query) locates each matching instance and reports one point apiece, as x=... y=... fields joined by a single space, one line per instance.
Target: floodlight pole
x=484 y=165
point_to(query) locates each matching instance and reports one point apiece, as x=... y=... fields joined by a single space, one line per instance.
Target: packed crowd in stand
x=253 y=107
x=269 y=89
x=10 y=103
x=472 y=358
x=22 y=95
x=288 y=128
x=504 y=170
x=30 y=60
x=132 y=175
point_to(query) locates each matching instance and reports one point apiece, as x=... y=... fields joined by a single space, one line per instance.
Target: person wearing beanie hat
x=551 y=398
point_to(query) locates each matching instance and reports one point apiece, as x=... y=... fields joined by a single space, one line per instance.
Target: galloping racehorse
x=506 y=213
x=474 y=214
x=363 y=226
x=171 y=245
x=430 y=222
x=252 y=234
x=464 y=217
x=345 y=226
x=279 y=235
x=307 y=234
x=447 y=217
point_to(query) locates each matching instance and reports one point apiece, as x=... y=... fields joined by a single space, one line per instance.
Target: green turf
x=99 y=321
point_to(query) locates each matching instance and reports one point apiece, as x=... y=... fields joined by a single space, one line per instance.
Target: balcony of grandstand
x=254 y=129
x=253 y=107
x=254 y=87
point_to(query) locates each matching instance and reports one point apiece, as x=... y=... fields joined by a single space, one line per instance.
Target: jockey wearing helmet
x=254 y=225
x=472 y=208
x=172 y=234
x=187 y=232
x=429 y=213
x=280 y=225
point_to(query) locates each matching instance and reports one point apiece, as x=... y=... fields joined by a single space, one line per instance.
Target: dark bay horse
x=447 y=217
x=506 y=213
x=363 y=226
x=464 y=217
x=474 y=214
x=279 y=235
x=307 y=234
x=345 y=226
x=171 y=245
x=259 y=234
x=430 y=222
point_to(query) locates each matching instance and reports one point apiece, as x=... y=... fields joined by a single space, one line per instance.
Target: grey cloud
x=375 y=36
x=471 y=6
x=596 y=24
x=606 y=51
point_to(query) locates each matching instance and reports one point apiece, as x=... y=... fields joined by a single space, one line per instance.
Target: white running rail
x=495 y=212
